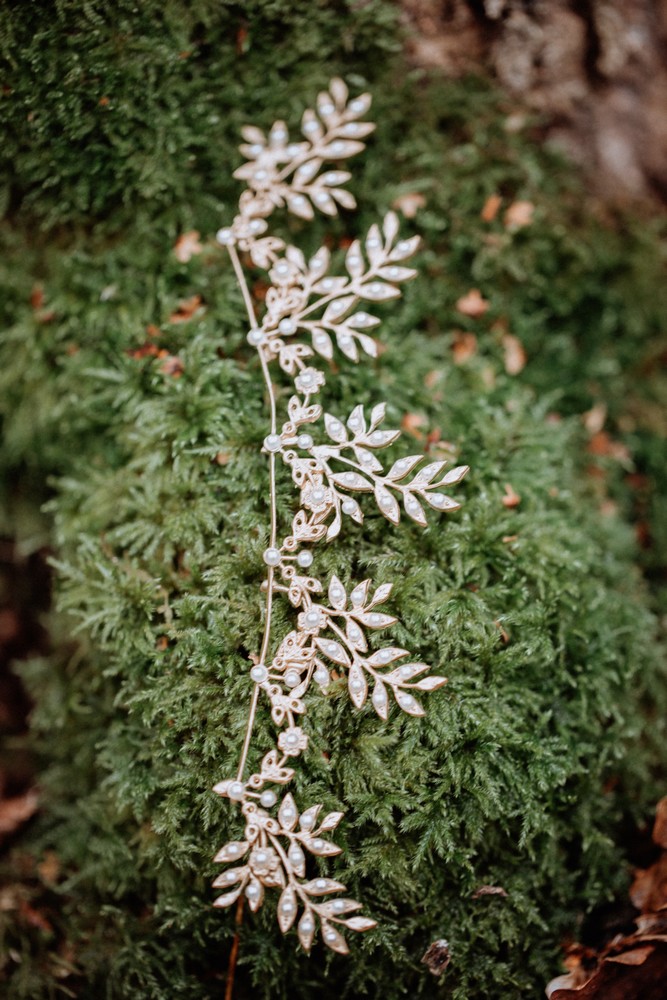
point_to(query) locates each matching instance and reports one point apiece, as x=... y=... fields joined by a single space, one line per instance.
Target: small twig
x=234 y=953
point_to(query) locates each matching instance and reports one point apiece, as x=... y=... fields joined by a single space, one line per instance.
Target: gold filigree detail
x=311 y=311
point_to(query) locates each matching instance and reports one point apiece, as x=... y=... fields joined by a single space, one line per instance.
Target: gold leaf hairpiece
x=310 y=311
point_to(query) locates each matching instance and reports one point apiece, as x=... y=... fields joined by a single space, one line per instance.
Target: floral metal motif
x=310 y=311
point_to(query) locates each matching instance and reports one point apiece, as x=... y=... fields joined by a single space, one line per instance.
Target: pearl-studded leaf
x=287 y=908
x=287 y=814
x=306 y=930
x=323 y=886
x=333 y=939
x=360 y=923
x=357 y=685
x=379 y=700
x=232 y=851
x=227 y=898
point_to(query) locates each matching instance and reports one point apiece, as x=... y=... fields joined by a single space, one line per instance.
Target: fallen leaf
x=186 y=309
x=510 y=498
x=491 y=206
x=187 y=246
x=37 y=297
x=472 y=304
x=33 y=917
x=518 y=215
x=409 y=204
x=605 y=446
x=172 y=365
x=489 y=890
x=16 y=811
x=515 y=355
x=464 y=346
x=104 y=102
x=49 y=867
x=411 y=424
x=594 y=419
x=504 y=638
x=222 y=458
x=437 y=957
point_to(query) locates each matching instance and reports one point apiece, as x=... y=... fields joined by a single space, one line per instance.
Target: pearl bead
x=292 y=678
x=331 y=935
x=268 y=799
x=287 y=907
x=321 y=883
x=255 y=337
x=252 y=892
x=272 y=557
x=229 y=876
x=288 y=813
x=310 y=126
x=406 y=671
x=327 y=109
x=298 y=199
x=373 y=242
x=236 y=790
x=332 y=648
x=273 y=442
x=320 y=196
x=327 y=283
x=292 y=740
x=317 y=495
x=313 y=618
x=354 y=260
x=259 y=673
x=336 y=593
x=260 y=175
x=232 y=849
x=438 y=500
x=384 y=656
x=357 y=105
x=304 y=441
x=256 y=148
x=282 y=268
x=386 y=501
x=286 y=326
x=406 y=700
x=336 y=426
x=261 y=857
x=321 y=676
x=305 y=559
x=337 y=146
x=356 y=685
x=375 y=619
x=353 y=423
x=305 y=378
x=317 y=843
x=349 y=477
x=224 y=236
x=292 y=149
x=344 y=340
x=338 y=905
x=349 y=506
x=307 y=822
x=256 y=226
x=306 y=926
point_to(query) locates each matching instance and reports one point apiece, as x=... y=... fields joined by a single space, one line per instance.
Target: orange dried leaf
x=491 y=206
x=409 y=204
x=472 y=304
x=464 y=346
x=187 y=246
x=411 y=424
x=172 y=365
x=515 y=355
x=518 y=215
x=186 y=309
x=510 y=498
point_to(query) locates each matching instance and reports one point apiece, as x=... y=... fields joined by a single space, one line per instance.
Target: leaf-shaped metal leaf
x=383 y=657
x=352 y=481
x=390 y=226
x=337 y=595
x=228 y=897
x=322 y=848
x=306 y=930
x=287 y=908
x=359 y=594
x=360 y=923
x=431 y=683
x=333 y=939
x=230 y=877
x=308 y=817
x=323 y=886
x=333 y=650
x=388 y=504
x=354 y=261
x=378 y=291
x=440 y=501
x=355 y=635
x=428 y=473
x=322 y=343
x=382 y=593
x=455 y=475
x=233 y=851
x=414 y=509
x=405 y=249
x=288 y=814
x=330 y=821
x=255 y=894
x=299 y=205
x=408 y=703
x=395 y=273
x=297 y=859
x=357 y=685
x=379 y=700
x=376 y=620
x=403 y=467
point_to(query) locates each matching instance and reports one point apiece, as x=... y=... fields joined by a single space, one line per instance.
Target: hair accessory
x=310 y=311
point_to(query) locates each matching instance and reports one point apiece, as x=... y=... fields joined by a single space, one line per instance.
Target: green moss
x=531 y=757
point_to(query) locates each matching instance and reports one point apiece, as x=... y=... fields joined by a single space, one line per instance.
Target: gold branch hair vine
x=308 y=312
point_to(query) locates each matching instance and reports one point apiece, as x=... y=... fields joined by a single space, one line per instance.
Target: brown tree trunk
x=596 y=68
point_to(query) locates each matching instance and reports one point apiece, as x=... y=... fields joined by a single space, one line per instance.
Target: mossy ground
x=122 y=136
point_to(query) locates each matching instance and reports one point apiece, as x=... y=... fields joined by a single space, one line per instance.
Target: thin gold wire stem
x=240 y=276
